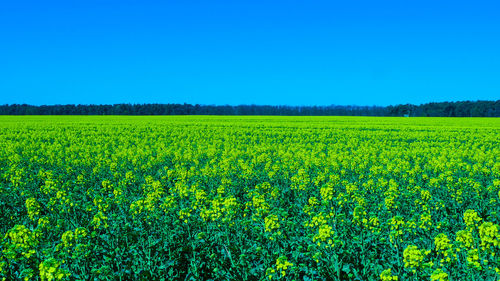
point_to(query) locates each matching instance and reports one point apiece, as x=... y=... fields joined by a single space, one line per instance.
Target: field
x=249 y=198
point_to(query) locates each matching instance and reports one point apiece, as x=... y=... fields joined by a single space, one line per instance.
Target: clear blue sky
x=249 y=52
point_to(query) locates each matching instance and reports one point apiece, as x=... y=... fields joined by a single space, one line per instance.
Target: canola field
x=249 y=198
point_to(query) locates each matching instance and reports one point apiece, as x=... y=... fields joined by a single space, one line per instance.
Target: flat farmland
x=249 y=198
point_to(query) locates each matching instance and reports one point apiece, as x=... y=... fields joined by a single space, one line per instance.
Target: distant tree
x=446 y=109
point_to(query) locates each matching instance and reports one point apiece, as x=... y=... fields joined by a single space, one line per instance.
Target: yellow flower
x=99 y=219
x=489 y=234
x=386 y=275
x=464 y=238
x=439 y=275
x=80 y=233
x=270 y=272
x=413 y=257
x=282 y=264
x=442 y=242
x=20 y=242
x=473 y=259
x=50 y=270
x=325 y=231
x=68 y=238
x=33 y=208
x=271 y=223
x=471 y=218
x=359 y=215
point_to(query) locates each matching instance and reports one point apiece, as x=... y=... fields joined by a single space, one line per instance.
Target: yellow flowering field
x=249 y=198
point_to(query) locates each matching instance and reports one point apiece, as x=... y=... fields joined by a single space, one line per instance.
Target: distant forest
x=437 y=109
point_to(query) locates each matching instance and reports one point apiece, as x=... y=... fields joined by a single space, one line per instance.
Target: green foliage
x=249 y=198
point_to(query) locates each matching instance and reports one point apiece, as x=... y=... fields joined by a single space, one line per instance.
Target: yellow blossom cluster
x=413 y=257
x=271 y=223
x=282 y=265
x=439 y=275
x=21 y=243
x=50 y=270
x=444 y=248
x=33 y=208
x=464 y=238
x=386 y=275
x=489 y=234
x=324 y=232
x=471 y=218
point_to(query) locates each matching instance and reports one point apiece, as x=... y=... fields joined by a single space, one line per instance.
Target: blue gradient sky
x=249 y=52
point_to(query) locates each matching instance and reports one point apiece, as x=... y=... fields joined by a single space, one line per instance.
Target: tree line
x=434 y=109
